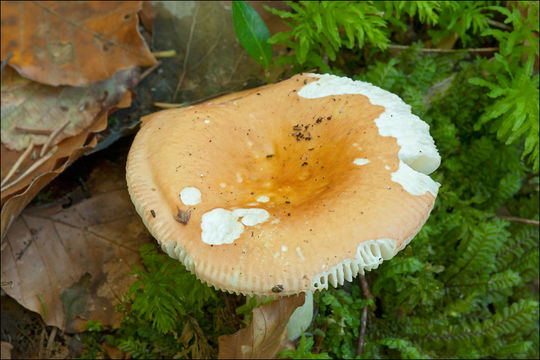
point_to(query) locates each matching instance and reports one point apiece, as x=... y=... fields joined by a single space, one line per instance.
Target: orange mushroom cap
x=288 y=187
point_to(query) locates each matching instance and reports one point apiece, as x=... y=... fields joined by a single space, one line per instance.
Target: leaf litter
x=72 y=265
x=72 y=43
x=266 y=335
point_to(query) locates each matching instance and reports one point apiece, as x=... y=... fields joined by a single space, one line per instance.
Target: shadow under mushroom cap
x=338 y=166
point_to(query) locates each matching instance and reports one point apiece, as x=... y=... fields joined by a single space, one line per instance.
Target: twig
x=5 y=61
x=167 y=105
x=164 y=53
x=52 y=137
x=33 y=130
x=365 y=288
x=188 y=47
x=41 y=340
x=18 y=163
x=499 y=25
x=147 y=72
x=363 y=325
x=50 y=342
x=520 y=220
x=430 y=50
x=363 y=322
x=31 y=168
x=318 y=341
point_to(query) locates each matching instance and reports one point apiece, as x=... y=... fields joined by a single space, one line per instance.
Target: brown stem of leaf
x=430 y=50
x=33 y=130
x=167 y=105
x=188 y=47
x=164 y=53
x=147 y=72
x=363 y=323
x=53 y=136
x=31 y=168
x=18 y=163
x=519 y=220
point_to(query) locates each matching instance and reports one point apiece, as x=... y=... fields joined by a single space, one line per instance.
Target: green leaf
x=252 y=32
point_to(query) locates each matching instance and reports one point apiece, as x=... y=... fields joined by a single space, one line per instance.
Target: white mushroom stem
x=301 y=318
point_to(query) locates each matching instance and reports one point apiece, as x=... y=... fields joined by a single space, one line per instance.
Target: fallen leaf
x=30 y=105
x=72 y=265
x=17 y=196
x=6 y=350
x=210 y=60
x=72 y=42
x=266 y=336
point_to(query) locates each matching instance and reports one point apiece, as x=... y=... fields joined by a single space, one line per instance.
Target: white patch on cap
x=207 y=121
x=252 y=217
x=417 y=148
x=239 y=177
x=387 y=167
x=190 y=196
x=220 y=226
x=359 y=161
x=283 y=248
x=263 y=199
x=414 y=182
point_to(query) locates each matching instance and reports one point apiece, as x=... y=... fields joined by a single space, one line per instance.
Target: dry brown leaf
x=210 y=61
x=6 y=350
x=266 y=336
x=15 y=198
x=72 y=265
x=72 y=42
x=30 y=105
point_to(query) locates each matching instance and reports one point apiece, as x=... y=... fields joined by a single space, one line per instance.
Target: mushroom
x=290 y=187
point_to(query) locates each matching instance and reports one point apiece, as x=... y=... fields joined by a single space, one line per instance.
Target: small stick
x=167 y=105
x=50 y=342
x=147 y=72
x=18 y=163
x=363 y=322
x=41 y=340
x=188 y=47
x=33 y=130
x=520 y=220
x=429 y=50
x=499 y=25
x=363 y=325
x=5 y=61
x=164 y=53
x=318 y=341
x=31 y=168
x=52 y=137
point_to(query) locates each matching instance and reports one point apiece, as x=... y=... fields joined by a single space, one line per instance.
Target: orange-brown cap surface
x=287 y=188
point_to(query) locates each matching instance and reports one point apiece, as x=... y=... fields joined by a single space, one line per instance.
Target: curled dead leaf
x=266 y=336
x=72 y=42
x=33 y=111
x=72 y=265
x=16 y=197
